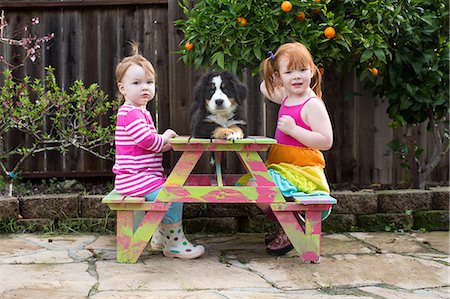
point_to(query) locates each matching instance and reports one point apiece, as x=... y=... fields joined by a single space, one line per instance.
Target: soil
x=53 y=186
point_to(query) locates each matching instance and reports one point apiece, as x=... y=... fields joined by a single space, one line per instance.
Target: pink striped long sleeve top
x=138 y=165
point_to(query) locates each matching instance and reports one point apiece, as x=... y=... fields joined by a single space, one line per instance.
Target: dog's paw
x=232 y=133
x=235 y=135
x=222 y=133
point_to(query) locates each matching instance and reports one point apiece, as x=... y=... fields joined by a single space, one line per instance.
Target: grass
x=60 y=226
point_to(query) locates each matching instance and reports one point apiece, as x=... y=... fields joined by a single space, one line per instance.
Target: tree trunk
x=414 y=171
x=9 y=187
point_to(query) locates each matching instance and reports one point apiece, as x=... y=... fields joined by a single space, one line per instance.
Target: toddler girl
x=139 y=148
x=292 y=80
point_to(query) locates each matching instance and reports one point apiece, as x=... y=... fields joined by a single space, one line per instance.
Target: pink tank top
x=295 y=113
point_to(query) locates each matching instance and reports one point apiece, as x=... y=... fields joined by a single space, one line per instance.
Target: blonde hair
x=298 y=57
x=135 y=58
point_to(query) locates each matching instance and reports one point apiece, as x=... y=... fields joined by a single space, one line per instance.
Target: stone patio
x=353 y=265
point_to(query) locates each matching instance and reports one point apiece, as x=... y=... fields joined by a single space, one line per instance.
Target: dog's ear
x=200 y=90
x=240 y=88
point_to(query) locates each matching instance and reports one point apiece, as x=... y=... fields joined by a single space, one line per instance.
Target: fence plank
x=74 y=3
x=182 y=80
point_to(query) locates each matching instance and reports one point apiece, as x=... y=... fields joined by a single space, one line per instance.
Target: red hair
x=298 y=57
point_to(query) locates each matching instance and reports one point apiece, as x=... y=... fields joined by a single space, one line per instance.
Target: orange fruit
x=286 y=6
x=316 y=10
x=373 y=71
x=300 y=15
x=189 y=46
x=329 y=32
x=242 y=21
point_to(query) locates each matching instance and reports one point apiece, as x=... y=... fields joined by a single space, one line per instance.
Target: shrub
x=53 y=119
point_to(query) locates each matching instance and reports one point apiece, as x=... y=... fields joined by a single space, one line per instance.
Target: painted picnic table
x=182 y=186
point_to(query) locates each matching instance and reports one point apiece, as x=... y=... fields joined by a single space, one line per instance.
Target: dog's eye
x=213 y=86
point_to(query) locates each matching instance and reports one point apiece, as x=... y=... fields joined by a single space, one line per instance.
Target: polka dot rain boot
x=156 y=243
x=175 y=243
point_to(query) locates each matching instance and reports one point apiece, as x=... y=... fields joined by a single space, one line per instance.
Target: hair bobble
x=271 y=55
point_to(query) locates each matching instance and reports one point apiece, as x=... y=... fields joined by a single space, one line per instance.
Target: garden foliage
x=400 y=48
x=45 y=116
x=53 y=119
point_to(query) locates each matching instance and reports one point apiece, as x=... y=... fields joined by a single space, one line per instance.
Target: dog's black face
x=220 y=97
x=216 y=111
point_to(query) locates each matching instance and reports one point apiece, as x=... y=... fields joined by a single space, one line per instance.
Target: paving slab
x=405 y=294
x=46 y=281
x=354 y=270
x=388 y=242
x=172 y=274
x=10 y=246
x=353 y=265
x=438 y=240
x=217 y=294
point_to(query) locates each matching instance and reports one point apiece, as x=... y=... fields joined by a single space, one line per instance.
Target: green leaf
x=221 y=60
x=257 y=52
x=366 y=55
x=417 y=66
x=380 y=55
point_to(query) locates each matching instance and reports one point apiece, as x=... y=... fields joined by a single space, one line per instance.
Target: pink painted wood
x=182 y=186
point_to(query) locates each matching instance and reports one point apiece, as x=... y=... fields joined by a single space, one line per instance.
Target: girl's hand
x=276 y=80
x=167 y=147
x=286 y=124
x=169 y=133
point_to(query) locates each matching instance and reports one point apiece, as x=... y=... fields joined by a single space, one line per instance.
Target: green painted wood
x=183 y=168
x=252 y=143
x=249 y=139
x=146 y=206
x=131 y=244
x=263 y=140
x=225 y=194
x=218 y=158
x=292 y=206
x=112 y=196
x=115 y=197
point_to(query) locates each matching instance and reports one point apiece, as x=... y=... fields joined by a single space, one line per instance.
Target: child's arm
x=137 y=127
x=278 y=95
x=166 y=136
x=167 y=147
x=316 y=116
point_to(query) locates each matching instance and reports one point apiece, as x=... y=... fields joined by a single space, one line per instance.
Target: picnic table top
x=248 y=140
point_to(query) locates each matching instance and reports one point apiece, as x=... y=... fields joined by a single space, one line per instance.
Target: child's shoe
x=156 y=243
x=175 y=243
x=280 y=245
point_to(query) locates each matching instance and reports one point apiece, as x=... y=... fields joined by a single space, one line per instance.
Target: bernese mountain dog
x=216 y=110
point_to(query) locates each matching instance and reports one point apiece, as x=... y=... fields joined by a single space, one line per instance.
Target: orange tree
x=381 y=39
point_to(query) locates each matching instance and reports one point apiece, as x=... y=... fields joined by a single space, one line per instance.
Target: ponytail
x=316 y=81
x=134 y=48
x=268 y=67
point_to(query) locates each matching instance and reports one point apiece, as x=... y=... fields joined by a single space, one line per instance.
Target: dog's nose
x=219 y=102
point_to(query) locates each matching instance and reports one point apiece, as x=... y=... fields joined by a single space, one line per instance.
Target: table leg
x=306 y=242
x=130 y=245
x=255 y=165
x=183 y=168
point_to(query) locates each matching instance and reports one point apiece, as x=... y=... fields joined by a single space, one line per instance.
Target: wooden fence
x=91 y=36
